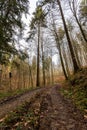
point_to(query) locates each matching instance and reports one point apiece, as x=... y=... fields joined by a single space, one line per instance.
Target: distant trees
x=51 y=32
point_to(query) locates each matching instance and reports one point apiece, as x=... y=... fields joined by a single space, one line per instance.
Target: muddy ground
x=54 y=112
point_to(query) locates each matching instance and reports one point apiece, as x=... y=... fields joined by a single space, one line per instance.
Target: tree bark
x=52 y=75
x=38 y=58
x=44 y=81
x=60 y=54
x=63 y=67
x=66 y=63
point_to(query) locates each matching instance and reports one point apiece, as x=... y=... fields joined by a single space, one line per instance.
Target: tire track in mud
x=57 y=113
x=12 y=103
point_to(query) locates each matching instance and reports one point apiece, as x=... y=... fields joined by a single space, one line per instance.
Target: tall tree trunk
x=30 y=74
x=43 y=64
x=75 y=50
x=19 y=77
x=75 y=65
x=63 y=67
x=38 y=58
x=48 y=76
x=59 y=49
x=52 y=75
x=0 y=78
x=66 y=63
x=61 y=59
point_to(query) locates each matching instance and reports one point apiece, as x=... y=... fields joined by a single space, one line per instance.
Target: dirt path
x=55 y=112
x=60 y=114
x=14 y=102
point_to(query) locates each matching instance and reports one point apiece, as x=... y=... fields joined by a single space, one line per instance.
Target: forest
x=43 y=65
x=27 y=52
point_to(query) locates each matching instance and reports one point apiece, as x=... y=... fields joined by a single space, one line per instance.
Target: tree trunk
x=44 y=81
x=19 y=77
x=75 y=49
x=66 y=63
x=52 y=75
x=75 y=65
x=31 y=78
x=61 y=59
x=63 y=67
x=38 y=58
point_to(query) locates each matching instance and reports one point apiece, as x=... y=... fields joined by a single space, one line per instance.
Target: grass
x=77 y=90
x=7 y=94
x=4 y=94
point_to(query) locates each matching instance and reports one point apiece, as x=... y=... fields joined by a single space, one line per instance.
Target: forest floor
x=42 y=109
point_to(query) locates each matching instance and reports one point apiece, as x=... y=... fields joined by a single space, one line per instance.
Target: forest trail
x=56 y=112
x=12 y=103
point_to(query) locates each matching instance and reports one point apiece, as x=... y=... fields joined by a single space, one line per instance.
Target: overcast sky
x=32 y=5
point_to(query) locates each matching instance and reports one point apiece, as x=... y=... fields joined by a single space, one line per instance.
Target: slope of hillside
x=77 y=89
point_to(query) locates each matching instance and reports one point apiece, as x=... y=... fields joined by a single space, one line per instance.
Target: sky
x=32 y=5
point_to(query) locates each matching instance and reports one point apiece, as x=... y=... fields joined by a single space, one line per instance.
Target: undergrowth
x=12 y=93
x=76 y=89
x=25 y=117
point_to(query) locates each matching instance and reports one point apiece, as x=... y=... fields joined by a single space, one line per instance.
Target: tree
x=75 y=65
x=37 y=22
x=10 y=20
x=74 y=42
x=47 y=65
x=58 y=35
x=75 y=14
x=43 y=61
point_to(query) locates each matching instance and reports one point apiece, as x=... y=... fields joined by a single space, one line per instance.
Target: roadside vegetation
x=76 y=89
x=25 y=116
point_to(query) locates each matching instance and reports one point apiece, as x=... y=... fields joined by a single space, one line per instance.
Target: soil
x=55 y=111
x=11 y=103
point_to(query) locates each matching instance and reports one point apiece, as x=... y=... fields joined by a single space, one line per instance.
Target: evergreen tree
x=37 y=22
x=10 y=20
